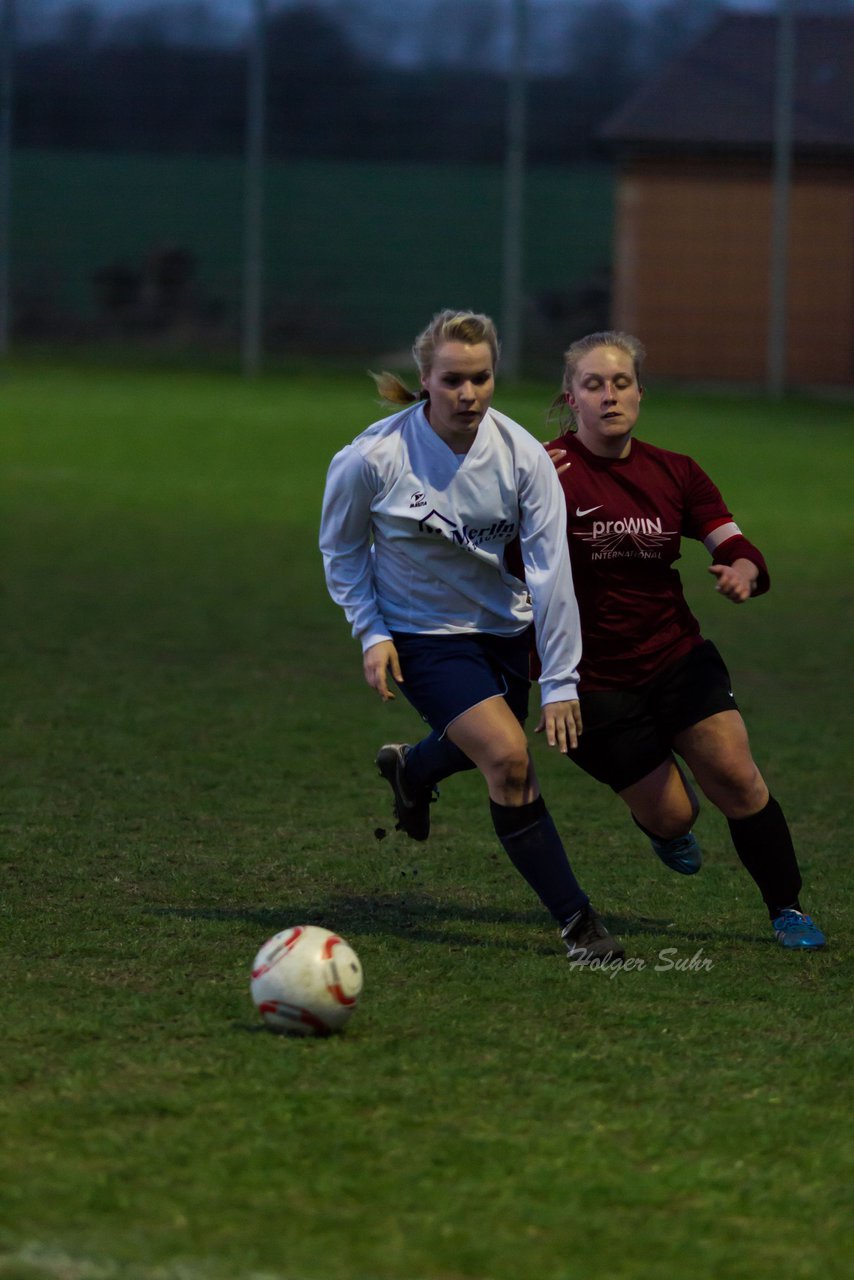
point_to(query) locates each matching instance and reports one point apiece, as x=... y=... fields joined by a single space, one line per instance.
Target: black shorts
x=446 y=675
x=629 y=732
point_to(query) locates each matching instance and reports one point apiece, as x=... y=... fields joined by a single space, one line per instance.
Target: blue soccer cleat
x=681 y=854
x=797 y=932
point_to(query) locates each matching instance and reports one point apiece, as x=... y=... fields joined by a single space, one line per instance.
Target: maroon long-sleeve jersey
x=625 y=521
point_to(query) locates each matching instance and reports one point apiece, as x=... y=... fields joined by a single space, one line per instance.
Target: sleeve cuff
x=559 y=693
x=372 y=637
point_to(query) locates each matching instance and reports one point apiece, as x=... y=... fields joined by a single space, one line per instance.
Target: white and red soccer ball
x=306 y=981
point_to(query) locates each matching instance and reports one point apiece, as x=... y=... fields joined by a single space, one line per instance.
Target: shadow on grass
x=421 y=918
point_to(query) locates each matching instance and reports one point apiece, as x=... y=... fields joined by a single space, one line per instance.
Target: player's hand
x=561 y=723
x=557 y=456
x=735 y=581
x=377 y=662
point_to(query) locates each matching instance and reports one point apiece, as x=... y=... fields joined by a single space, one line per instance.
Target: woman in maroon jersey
x=651 y=687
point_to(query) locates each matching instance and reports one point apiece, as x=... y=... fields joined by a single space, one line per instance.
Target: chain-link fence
x=384 y=179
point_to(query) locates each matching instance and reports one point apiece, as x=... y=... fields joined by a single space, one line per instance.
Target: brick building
x=694 y=206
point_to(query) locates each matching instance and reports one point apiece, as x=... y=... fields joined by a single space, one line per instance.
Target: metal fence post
x=514 y=196
x=7 y=64
x=253 y=243
x=780 y=199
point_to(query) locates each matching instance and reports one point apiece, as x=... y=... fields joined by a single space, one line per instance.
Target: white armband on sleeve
x=719 y=535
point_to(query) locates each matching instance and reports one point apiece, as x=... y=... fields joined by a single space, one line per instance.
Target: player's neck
x=612 y=447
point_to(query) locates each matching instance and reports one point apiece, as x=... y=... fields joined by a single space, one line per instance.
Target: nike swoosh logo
x=579 y=513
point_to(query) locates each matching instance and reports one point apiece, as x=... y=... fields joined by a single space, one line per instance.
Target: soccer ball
x=306 y=981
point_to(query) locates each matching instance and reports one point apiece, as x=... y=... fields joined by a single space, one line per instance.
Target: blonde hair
x=559 y=408
x=446 y=326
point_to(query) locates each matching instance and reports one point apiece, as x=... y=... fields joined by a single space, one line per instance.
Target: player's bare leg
x=665 y=806
x=717 y=751
x=493 y=738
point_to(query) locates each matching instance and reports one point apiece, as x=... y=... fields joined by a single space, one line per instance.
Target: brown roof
x=720 y=93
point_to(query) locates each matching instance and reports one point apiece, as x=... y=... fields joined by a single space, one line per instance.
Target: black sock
x=434 y=758
x=764 y=844
x=532 y=844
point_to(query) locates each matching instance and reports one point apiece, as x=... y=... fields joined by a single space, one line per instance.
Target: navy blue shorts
x=443 y=676
x=629 y=732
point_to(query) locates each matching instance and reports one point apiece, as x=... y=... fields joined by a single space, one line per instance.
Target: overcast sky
x=238 y=9
x=391 y=25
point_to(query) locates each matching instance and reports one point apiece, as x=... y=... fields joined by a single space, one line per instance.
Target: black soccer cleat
x=411 y=804
x=587 y=939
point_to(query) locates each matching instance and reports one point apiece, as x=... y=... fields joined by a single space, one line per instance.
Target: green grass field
x=188 y=768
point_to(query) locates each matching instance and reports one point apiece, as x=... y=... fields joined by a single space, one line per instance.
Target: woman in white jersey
x=417 y=514
x=650 y=685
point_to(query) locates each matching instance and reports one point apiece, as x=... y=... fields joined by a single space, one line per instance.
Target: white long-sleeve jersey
x=413 y=538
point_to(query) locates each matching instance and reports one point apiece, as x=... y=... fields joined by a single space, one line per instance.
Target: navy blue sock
x=764 y=844
x=532 y=844
x=434 y=758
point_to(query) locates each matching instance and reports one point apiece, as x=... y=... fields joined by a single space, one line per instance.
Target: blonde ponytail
x=393 y=390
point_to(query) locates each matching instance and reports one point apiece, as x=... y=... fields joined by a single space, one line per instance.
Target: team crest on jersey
x=633 y=536
x=464 y=535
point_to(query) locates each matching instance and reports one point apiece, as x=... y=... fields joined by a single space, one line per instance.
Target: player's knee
x=740 y=791
x=507 y=771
